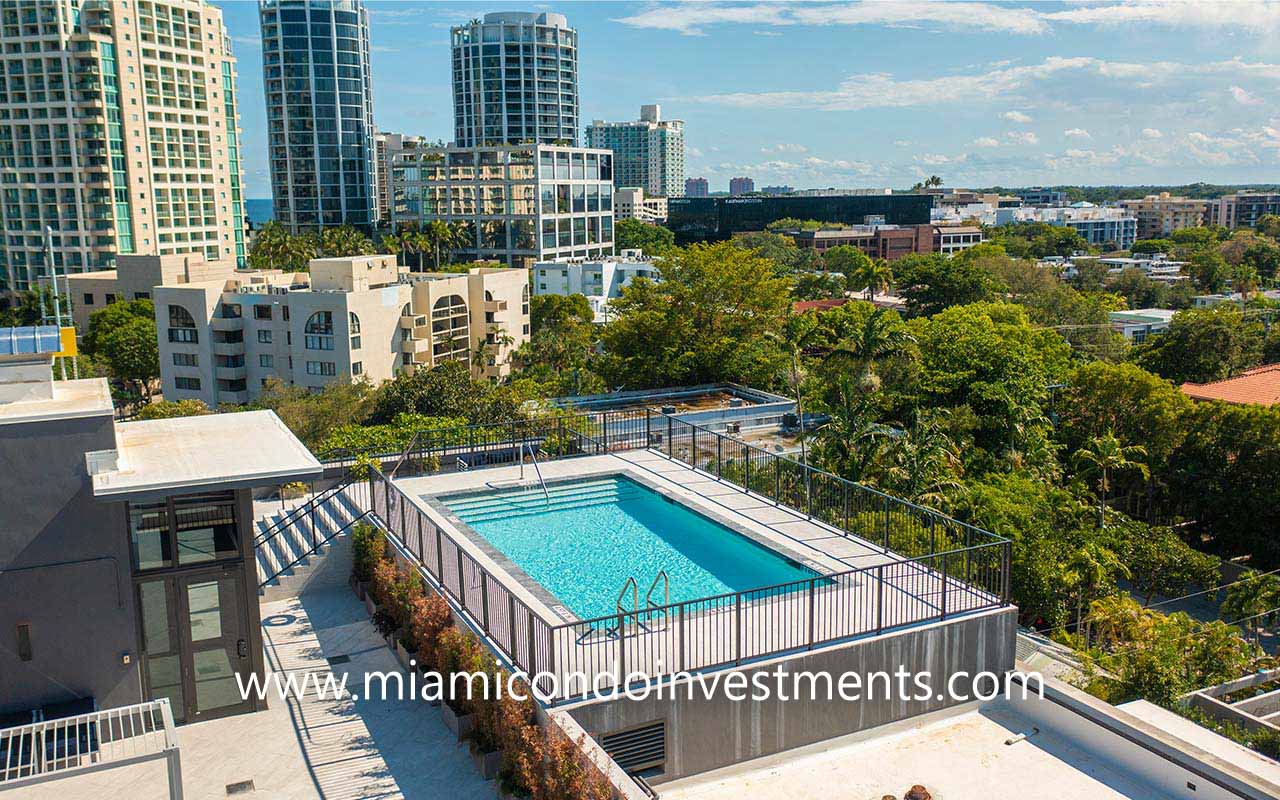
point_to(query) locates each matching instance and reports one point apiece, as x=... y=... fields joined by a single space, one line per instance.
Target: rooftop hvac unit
x=733 y=427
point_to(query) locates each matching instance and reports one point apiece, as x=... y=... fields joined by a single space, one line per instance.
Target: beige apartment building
x=135 y=277
x=634 y=204
x=119 y=131
x=1161 y=214
x=345 y=319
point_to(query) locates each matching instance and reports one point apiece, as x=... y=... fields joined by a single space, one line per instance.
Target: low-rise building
x=516 y=203
x=1260 y=386
x=741 y=185
x=634 y=204
x=1243 y=209
x=1234 y=298
x=600 y=281
x=345 y=319
x=135 y=277
x=1139 y=323
x=892 y=241
x=1159 y=215
x=1040 y=196
x=1099 y=225
x=696 y=187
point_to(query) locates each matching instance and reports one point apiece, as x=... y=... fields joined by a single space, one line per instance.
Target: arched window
x=182 y=326
x=319 y=331
x=524 y=300
x=354 y=324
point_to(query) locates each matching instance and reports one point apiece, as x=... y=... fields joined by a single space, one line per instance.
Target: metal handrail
x=116 y=737
x=296 y=513
x=314 y=547
x=534 y=457
x=635 y=596
x=666 y=589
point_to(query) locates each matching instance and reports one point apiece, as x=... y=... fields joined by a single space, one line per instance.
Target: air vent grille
x=639 y=748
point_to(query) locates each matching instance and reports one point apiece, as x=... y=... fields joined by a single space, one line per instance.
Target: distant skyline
x=870 y=94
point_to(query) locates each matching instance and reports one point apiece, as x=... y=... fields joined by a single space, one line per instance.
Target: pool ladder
x=634 y=612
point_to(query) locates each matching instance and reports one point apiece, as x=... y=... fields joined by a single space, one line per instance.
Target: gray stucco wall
x=64 y=570
x=705 y=733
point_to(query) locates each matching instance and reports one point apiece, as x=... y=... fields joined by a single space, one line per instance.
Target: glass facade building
x=516 y=204
x=695 y=219
x=515 y=80
x=319 y=90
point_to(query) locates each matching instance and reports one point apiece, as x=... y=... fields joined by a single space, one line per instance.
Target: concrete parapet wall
x=705 y=732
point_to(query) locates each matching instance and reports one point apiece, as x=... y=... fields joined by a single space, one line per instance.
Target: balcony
x=228 y=348
x=414 y=345
x=238 y=398
x=495 y=305
x=229 y=373
x=226 y=324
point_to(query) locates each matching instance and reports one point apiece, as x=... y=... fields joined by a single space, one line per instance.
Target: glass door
x=216 y=643
x=162 y=658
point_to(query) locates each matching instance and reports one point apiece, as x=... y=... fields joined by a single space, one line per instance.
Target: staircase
x=287 y=561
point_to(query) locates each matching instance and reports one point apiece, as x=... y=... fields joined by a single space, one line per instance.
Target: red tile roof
x=1260 y=386
x=819 y=305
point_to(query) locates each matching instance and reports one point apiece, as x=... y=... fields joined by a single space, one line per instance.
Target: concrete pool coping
x=806 y=541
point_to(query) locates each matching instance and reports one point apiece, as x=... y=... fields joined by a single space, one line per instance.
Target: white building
x=346 y=319
x=633 y=204
x=1098 y=225
x=1139 y=323
x=648 y=153
x=600 y=280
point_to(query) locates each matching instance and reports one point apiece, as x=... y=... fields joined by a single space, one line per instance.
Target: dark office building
x=319 y=90
x=697 y=219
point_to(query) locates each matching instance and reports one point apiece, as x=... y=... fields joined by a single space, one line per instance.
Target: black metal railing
x=927 y=566
x=297 y=533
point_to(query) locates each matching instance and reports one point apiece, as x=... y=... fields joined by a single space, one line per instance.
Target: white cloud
x=1255 y=16
x=1022 y=137
x=1076 y=133
x=1199 y=138
x=1244 y=97
x=766 y=33
x=784 y=148
x=1016 y=116
x=986 y=141
x=692 y=19
x=693 y=152
x=1152 y=133
x=902 y=142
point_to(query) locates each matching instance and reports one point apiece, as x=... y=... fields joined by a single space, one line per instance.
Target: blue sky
x=870 y=94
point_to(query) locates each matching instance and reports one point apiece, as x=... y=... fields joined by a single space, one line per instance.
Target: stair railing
x=310 y=552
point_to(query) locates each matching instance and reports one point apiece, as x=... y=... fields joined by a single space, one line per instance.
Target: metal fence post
x=880 y=599
x=670 y=447
x=944 y=585
x=808 y=491
x=622 y=650
x=737 y=625
x=648 y=428
x=533 y=649
x=746 y=469
x=845 y=503
x=511 y=625
x=439 y=558
x=484 y=598
x=719 y=448
x=462 y=583
x=886 y=523
x=680 y=638
x=777 y=481
x=812 y=596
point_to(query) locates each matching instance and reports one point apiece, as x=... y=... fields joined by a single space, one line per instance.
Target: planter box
x=460 y=725
x=368 y=604
x=356 y=586
x=403 y=655
x=486 y=763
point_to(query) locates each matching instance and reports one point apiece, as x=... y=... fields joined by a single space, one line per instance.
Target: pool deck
x=729 y=629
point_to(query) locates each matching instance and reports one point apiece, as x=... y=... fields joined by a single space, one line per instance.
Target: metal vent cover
x=638 y=748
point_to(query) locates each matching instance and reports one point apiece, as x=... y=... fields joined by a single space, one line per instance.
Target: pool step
x=537 y=504
x=534 y=495
x=541 y=507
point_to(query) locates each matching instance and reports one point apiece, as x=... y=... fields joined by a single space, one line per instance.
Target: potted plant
x=523 y=758
x=366 y=542
x=454 y=651
x=428 y=619
x=486 y=735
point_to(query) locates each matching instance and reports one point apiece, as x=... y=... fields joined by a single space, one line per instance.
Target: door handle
x=242 y=648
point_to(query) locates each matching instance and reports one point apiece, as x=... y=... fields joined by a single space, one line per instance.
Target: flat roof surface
x=1207 y=740
x=86 y=397
x=247 y=448
x=963 y=756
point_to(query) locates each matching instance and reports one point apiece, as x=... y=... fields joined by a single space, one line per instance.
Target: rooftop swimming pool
x=594 y=534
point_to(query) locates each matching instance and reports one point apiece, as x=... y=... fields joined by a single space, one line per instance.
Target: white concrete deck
x=700 y=635
x=302 y=749
x=955 y=758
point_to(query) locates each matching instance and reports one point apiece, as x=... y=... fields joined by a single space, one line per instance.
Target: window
x=262 y=312
x=142 y=295
x=185 y=360
x=229 y=310
x=266 y=361
x=325 y=368
x=190 y=384
x=264 y=337
x=109 y=298
x=182 y=327
x=319 y=331
x=357 y=368
x=88 y=299
x=185 y=530
x=354 y=324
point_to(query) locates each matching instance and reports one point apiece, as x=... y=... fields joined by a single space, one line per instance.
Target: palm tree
x=1250 y=597
x=1092 y=567
x=851 y=440
x=870 y=275
x=877 y=337
x=925 y=463
x=436 y=237
x=344 y=241
x=1106 y=455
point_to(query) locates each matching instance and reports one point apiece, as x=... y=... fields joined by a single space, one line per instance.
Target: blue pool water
x=594 y=534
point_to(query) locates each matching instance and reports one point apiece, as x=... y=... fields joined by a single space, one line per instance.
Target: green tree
x=446 y=390
x=880 y=336
x=818 y=286
x=343 y=241
x=1209 y=270
x=1268 y=225
x=132 y=354
x=1138 y=290
x=312 y=415
x=33 y=306
x=1203 y=345
x=925 y=464
x=846 y=260
x=1251 y=599
x=110 y=318
x=630 y=234
x=560 y=353
x=273 y=247
x=781 y=251
x=1152 y=246
x=1106 y=456
x=168 y=409
x=555 y=311
x=871 y=276
x=712 y=318
x=931 y=283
